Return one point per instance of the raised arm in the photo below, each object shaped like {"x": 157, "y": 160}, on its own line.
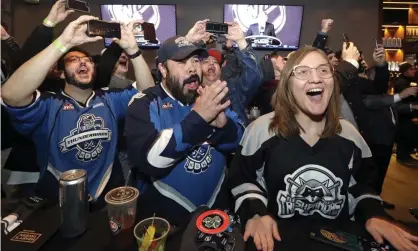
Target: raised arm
{"x": 43, "y": 35}
{"x": 322, "y": 36}
{"x": 18, "y": 90}
{"x": 143, "y": 75}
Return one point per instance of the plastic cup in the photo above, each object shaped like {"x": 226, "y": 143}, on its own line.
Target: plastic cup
{"x": 162, "y": 227}
{"x": 121, "y": 209}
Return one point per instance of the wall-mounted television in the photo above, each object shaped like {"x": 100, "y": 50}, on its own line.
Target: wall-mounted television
{"x": 270, "y": 27}
{"x": 162, "y": 16}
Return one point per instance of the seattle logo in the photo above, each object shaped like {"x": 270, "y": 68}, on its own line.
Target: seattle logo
{"x": 311, "y": 189}
{"x": 246, "y": 15}
{"x": 87, "y": 138}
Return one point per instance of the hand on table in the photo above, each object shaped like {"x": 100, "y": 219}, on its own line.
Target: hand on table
{"x": 383, "y": 230}
{"x": 263, "y": 230}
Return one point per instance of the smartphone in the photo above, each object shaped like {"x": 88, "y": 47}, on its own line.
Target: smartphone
{"x": 414, "y": 212}
{"x": 337, "y": 239}
{"x": 346, "y": 40}
{"x": 149, "y": 32}
{"x": 217, "y": 28}
{"x": 377, "y": 44}
{"x": 103, "y": 29}
{"x": 77, "y": 5}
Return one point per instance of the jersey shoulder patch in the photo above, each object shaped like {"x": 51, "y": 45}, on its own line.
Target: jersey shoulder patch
{"x": 139, "y": 95}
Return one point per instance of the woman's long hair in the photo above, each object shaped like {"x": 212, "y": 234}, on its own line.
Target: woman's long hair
{"x": 284, "y": 104}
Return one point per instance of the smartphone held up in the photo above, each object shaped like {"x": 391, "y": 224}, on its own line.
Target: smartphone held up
{"x": 78, "y": 5}
{"x": 217, "y": 28}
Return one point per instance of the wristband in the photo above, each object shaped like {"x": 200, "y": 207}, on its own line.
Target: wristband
{"x": 48, "y": 23}
{"x": 60, "y": 46}
{"x": 135, "y": 55}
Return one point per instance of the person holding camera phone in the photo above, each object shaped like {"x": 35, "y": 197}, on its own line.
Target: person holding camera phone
{"x": 78, "y": 126}
{"x": 243, "y": 87}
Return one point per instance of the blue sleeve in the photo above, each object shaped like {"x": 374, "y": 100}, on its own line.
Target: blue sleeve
{"x": 227, "y": 139}
{"x": 155, "y": 150}
{"x": 28, "y": 119}
{"x": 120, "y": 99}
{"x": 251, "y": 75}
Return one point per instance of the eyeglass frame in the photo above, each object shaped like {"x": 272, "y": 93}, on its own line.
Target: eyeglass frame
{"x": 331, "y": 66}
{"x": 78, "y": 59}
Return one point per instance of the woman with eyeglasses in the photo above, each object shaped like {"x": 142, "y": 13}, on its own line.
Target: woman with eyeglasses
{"x": 299, "y": 162}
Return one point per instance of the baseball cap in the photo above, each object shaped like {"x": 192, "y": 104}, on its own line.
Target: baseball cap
{"x": 178, "y": 48}
{"x": 216, "y": 54}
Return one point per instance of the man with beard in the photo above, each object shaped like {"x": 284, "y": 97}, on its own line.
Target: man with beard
{"x": 77, "y": 128}
{"x": 177, "y": 134}
{"x": 243, "y": 87}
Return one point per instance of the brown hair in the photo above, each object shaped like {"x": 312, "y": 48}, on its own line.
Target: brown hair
{"x": 284, "y": 104}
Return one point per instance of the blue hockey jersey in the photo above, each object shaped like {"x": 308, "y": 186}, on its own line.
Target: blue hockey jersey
{"x": 181, "y": 152}
{"x": 69, "y": 135}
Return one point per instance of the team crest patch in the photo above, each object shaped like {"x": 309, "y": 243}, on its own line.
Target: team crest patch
{"x": 86, "y": 138}
{"x": 68, "y": 107}
{"x": 199, "y": 160}
{"x": 213, "y": 222}
{"x": 310, "y": 189}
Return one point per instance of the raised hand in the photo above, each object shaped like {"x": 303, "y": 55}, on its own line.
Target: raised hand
{"x": 198, "y": 32}
{"x": 75, "y": 33}
{"x": 326, "y": 25}
{"x": 127, "y": 41}
{"x": 208, "y": 105}
{"x": 350, "y": 53}
{"x": 379, "y": 55}
{"x": 58, "y": 13}
{"x": 263, "y": 230}
{"x": 236, "y": 34}
{"x": 4, "y": 34}
{"x": 383, "y": 230}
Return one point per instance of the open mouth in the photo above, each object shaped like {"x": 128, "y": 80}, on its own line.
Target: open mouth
{"x": 192, "y": 83}
{"x": 211, "y": 70}
{"x": 83, "y": 71}
{"x": 315, "y": 94}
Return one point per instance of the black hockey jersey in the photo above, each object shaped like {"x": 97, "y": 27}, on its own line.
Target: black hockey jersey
{"x": 288, "y": 178}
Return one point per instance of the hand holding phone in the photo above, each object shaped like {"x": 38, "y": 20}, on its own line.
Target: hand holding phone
{"x": 346, "y": 40}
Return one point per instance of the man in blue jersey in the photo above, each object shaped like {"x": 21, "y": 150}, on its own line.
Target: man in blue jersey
{"x": 177, "y": 134}
{"x": 77, "y": 128}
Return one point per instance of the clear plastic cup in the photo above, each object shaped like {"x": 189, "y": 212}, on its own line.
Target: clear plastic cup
{"x": 162, "y": 227}
{"x": 121, "y": 209}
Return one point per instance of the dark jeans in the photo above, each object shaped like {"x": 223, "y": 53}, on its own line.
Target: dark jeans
{"x": 381, "y": 157}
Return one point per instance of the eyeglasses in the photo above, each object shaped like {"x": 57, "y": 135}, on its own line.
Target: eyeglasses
{"x": 304, "y": 72}
{"x": 75, "y": 59}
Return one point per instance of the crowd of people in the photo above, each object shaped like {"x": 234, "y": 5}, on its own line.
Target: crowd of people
{"x": 181, "y": 134}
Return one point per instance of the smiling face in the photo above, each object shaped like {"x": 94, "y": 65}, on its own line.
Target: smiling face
{"x": 79, "y": 69}
{"x": 211, "y": 70}
{"x": 309, "y": 86}
{"x": 182, "y": 78}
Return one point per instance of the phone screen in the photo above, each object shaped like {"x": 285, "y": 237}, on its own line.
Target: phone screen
{"x": 219, "y": 28}
{"x": 103, "y": 29}
{"x": 78, "y": 5}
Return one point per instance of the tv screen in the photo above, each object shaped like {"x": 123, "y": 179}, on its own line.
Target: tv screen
{"x": 270, "y": 27}
{"x": 162, "y": 16}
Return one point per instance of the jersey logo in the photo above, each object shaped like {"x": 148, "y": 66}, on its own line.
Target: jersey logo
{"x": 167, "y": 105}
{"x": 87, "y": 138}
{"x": 68, "y": 107}
{"x": 311, "y": 189}
{"x": 199, "y": 160}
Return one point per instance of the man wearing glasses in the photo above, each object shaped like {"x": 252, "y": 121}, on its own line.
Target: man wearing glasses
{"x": 77, "y": 128}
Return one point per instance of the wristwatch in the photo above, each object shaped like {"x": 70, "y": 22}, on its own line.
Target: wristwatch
{"x": 136, "y": 54}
